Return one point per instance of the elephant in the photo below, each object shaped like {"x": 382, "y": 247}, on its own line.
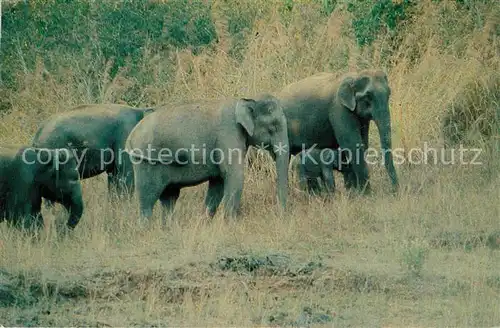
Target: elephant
{"x": 315, "y": 168}
{"x": 334, "y": 111}
{"x": 189, "y": 133}
{"x": 96, "y": 133}
{"x": 27, "y": 174}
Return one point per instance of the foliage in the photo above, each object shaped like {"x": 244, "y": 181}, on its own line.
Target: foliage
{"x": 116, "y": 30}
{"x": 414, "y": 259}
{"x": 474, "y": 114}
{"x": 377, "y": 17}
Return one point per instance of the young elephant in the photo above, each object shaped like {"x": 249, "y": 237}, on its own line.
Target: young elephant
{"x": 315, "y": 168}
{"x": 206, "y": 141}
{"x": 96, "y": 133}
{"x": 28, "y": 174}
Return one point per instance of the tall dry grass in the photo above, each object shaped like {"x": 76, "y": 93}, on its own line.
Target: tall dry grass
{"x": 426, "y": 257}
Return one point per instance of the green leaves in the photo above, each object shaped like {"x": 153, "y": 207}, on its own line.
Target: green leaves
{"x": 373, "y": 17}
{"x": 114, "y": 29}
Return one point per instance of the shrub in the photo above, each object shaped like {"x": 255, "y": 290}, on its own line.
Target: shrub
{"x": 378, "y": 17}
{"x": 116, "y": 30}
{"x": 474, "y": 113}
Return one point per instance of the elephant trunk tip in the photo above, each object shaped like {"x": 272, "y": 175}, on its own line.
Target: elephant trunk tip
{"x": 75, "y": 216}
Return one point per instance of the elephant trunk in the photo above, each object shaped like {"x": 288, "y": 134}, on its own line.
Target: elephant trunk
{"x": 282, "y": 157}
{"x": 384, "y": 127}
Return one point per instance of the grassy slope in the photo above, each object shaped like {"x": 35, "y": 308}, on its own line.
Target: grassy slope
{"x": 426, "y": 257}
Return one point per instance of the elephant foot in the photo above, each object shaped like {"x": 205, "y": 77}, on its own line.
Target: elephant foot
{"x": 143, "y": 224}
{"x": 166, "y": 219}
{"x": 395, "y": 190}
{"x": 64, "y": 231}
{"x": 208, "y": 214}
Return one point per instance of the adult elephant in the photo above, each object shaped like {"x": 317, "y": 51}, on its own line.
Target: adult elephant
{"x": 96, "y": 133}
{"x": 328, "y": 111}
{"x": 188, "y": 144}
{"x": 27, "y": 174}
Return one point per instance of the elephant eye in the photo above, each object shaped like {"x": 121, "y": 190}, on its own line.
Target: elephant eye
{"x": 367, "y": 99}
{"x": 274, "y": 127}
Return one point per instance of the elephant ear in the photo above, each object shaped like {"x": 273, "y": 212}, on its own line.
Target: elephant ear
{"x": 346, "y": 93}
{"x": 244, "y": 112}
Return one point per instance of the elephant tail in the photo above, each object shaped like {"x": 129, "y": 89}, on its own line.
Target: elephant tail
{"x": 147, "y": 110}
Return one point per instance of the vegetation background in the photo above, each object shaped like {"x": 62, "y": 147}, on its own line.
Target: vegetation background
{"x": 428, "y": 256}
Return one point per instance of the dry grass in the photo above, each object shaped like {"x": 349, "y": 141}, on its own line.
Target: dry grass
{"x": 428, "y": 257}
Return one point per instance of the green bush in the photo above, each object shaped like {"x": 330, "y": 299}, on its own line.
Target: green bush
{"x": 114, "y": 30}
{"x": 376, "y": 17}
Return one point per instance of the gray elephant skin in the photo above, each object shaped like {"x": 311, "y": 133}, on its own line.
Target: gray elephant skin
{"x": 315, "y": 167}
{"x": 206, "y": 141}
{"x": 27, "y": 174}
{"x": 331, "y": 111}
{"x": 96, "y": 133}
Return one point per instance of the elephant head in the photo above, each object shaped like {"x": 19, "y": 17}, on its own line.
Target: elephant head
{"x": 366, "y": 95}
{"x": 58, "y": 178}
{"x": 265, "y": 123}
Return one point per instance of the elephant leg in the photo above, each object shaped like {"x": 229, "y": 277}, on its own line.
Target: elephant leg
{"x": 74, "y": 206}
{"x": 349, "y": 178}
{"x": 147, "y": 201}
{"x": 360, "y": 178}
{"x": 329, "y": 179}
{"x": 168, "y": 198}
{"x": 357, "y": 163}
{"x": 306, "y": 185}
{"x": 215, "y": 193}
{"x": 307, "y": 182}
{"x": 303, "y": 182}
{"x": 345, "y": 168}
{"x": 33, "y": 220}
{"x": 148, "y": 188}
{"x": 233, "y": 188}
{"x": 124, "y": 173}
{"x": 313, "y": 186}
